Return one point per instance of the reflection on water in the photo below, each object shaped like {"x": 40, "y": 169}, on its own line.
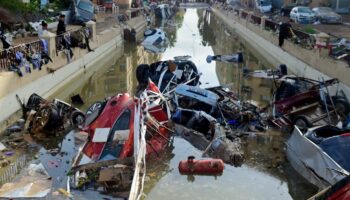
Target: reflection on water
{"x": 58, "y": 162}
{"x": 265, "y": 175}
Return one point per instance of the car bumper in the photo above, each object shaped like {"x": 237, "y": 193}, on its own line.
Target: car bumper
{"x": 306, "y": 20}
{"x": 331, "y": 21}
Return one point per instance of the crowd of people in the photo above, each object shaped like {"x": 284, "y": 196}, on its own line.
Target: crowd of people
{"x": 28, "y": 57}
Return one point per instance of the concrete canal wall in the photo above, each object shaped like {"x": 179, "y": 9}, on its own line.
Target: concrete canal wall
{"x": 58, "y": 74}
{"x": 302, "y": 62}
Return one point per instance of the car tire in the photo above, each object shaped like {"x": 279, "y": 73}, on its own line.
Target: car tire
{"x": 342, "y": 106}
{"x": 302, "y": 123}
{"x": 77, "y": 119}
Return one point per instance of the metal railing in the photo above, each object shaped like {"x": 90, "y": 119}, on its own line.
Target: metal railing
{"x": 255, "y": 19}
{"x": 8, "y": 56}
{"x": 244, "y": 14}
{"x": 271, "y": 25}
{"x": 10, "y": 173}
{"x": 301, "y": 34}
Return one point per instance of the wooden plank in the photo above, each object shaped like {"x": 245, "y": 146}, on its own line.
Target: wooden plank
{"x": 304, "y": 108}
{"x": 126, "y": 161}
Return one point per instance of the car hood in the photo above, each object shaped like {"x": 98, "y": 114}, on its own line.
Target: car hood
{"x": 307, "y": 14}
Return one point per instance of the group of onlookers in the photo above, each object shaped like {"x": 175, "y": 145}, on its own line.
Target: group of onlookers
{"x": 31, "y": 57}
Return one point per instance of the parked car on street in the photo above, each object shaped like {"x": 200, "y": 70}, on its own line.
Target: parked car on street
{"x": 303, "y": 15}
{"x": 263, "y": 6}
{"x": 326, "y": 15}
{"x": 285, "y": 10}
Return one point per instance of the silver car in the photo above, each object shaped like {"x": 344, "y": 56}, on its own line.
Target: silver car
{"x": 302, "y": 15}
{"x": 326, "y": 15}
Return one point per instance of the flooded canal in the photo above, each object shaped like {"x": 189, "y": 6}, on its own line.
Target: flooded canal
{"x": 265, "y": 173}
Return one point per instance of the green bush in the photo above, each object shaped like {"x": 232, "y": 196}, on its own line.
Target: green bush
{"x": 61, "y": 4}
{"x": 310, "y": 30}
{"x": 14, "y": 5}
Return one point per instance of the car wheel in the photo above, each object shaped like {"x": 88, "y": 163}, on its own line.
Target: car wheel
{"x": 342, "y": 106}
{"x": 77, "y": 119}
{"x": 302, "y": 123}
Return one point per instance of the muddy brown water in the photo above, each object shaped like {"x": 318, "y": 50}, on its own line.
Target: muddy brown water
{"x": 265, "y": 174}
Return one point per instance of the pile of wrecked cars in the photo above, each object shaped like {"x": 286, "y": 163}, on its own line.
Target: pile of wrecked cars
{"x": 113, "y": 128}
{"x": 207, "y": 118}
{"x": 123, "y": 132}
{"x": 317, "y": 114}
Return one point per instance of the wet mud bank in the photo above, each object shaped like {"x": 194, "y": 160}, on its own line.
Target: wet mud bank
{"x": 274, "y": 54}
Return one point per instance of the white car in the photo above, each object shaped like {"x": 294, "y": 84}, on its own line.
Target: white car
{"x": 264, "y": 6}
{"x": 302, "y": 15}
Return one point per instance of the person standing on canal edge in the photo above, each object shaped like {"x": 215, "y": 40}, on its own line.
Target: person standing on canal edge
{"x": 285, "y": 30}
{"x": 64, "y": 39}
{"x": 61, "y": 26}
{"x": 86, "y": 35}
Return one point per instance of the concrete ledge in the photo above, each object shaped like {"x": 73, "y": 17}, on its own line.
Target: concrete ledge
{"x": 139, "y": 24}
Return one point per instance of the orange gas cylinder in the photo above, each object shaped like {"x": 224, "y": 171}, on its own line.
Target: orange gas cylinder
{"x": 206, "y": 166}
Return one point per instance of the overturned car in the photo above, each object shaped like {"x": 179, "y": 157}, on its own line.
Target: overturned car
{"x": 154, "y": 37}
{"x": 169, "y": 74}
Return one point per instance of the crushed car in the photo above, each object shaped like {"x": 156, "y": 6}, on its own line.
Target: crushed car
{"x": 307, "y": 102}
{"x": 45, "y": 116}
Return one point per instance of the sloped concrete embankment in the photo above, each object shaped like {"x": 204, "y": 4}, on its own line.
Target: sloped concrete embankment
{"x": 301, "y": 62}
{"x": 58, "y": 74}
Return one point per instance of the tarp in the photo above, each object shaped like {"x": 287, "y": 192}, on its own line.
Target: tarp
{"x": 312, "y": 162}
{"x": 338, "y": 148}
{"x": 34, "y": 183}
